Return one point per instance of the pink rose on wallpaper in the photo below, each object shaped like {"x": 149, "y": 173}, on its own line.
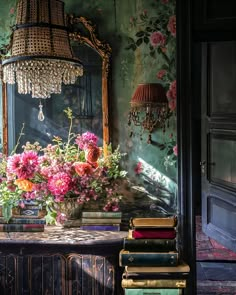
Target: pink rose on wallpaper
{"x": 12, "y": 10}
{"x": 157, "y": 38}
{"x": 165, "y": 1}
{"x": 172, "y": 25}
{"x": 171, "y": 93}
{"x": 175, "y": 150}
{"x": 161, "y": 74}
{"x": 172, "y": 104}
{"x": 139, "y": 168}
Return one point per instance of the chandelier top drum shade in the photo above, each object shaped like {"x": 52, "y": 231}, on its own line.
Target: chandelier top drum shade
{"x": 149, "y": 108}
{"x": 41, "y": 56}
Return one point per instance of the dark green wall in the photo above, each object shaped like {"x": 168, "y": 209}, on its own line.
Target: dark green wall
{"x": 127, "y": 26}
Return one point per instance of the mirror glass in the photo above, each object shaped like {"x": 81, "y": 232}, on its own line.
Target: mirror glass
{"x": 84, "y": 98}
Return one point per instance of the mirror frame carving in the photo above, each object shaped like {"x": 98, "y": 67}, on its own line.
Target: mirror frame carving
{"x": 103, "y": 49}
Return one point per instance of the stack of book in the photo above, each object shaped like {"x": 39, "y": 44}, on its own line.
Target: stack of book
{"x": 22, "y": 224}
{"x": 151, "y": 259}
{"x": 100, "y": 220}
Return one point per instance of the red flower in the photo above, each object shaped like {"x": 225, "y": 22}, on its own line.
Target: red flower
{"x": 139, "y": 168}
{"x": 161, "y": 74}
{"x": 92, "y": 154}
{"x": 157, "y": 38}
{"x": 175, "y": 150}
{"x": 171, "y": 93}
{"x": 82, "y": 168}
{"x": 172, "y": 25}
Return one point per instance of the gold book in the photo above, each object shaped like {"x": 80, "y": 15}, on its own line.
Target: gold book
{"x": 154, "y": 222}
{"x": 158, "y": 269}
{"x": 130, "y": 283}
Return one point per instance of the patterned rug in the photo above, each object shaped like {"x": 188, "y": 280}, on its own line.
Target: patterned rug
{"x": 209, "y": 249}
{"x": 214, "y": 277}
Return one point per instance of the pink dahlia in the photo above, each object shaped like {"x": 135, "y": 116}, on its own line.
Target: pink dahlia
{"x": 59, "y": 184}
{"x": 157, "y": 38}
{"x": 23, "y": 165}
{"x": 86, "y": 139}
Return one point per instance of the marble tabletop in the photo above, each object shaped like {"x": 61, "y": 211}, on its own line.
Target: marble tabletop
{"x": 61, "y": 235}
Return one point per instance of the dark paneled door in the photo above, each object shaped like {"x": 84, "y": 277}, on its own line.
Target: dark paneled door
{"x": 218, "y": 152}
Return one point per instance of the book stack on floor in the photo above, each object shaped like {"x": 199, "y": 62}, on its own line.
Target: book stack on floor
{"x": 100, "y": 220}
{"x": 150, "y": 258}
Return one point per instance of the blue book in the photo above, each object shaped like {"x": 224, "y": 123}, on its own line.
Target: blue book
{"x": 100, "y": 227}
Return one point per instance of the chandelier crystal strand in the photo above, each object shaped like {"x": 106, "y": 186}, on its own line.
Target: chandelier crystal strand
{"x": 40, "y": 77}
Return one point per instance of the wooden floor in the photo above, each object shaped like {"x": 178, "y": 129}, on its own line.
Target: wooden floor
{"x": 216, "y": 266}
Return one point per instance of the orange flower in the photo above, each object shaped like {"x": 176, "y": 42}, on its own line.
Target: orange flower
{"x": 24, "y": 185}
{"x": 82, "y": 168}
{"x": 92, "y": 154}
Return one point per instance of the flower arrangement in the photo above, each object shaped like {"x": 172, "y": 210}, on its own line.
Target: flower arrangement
{"x": 73, "y": 170}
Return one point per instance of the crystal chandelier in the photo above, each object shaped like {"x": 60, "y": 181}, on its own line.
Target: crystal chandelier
{"x": 41, "y": 57}
{"x": 149, "y": 108}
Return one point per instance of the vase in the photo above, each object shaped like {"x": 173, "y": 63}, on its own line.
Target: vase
{"x": 69, "y": 207}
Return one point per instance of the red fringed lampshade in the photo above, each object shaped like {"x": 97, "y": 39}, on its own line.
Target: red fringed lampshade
{"x": 149, "y": 108}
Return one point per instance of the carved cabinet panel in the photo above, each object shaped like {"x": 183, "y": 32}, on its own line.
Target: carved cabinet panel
{"x": 58, "y": 274}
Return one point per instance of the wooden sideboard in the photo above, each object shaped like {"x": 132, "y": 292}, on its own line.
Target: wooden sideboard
{"x": 60, "y": 261}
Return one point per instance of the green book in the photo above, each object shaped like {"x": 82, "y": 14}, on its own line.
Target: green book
{"x": 20, "y": 220}
{"x": 100, "y": 220}
{"x": 101, "y": 214}
{"x": 148, "y": 258}
{"x": 153, "y": 292}
{"x": 149, "y": 245}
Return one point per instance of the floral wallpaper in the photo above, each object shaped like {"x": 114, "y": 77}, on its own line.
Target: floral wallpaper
{"x": 142, "y": 35}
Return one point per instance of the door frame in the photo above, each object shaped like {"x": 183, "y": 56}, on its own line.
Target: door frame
{"x": 186, "y": 161}
{"x": 190, "y": 33}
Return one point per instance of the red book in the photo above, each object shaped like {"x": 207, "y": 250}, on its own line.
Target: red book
{"x": 145, "y": 233}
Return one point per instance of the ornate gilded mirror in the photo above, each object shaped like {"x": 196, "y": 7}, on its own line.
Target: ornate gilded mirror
{"x": 88, "y": 97}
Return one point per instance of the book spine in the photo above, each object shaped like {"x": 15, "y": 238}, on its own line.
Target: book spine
{"x": 96, "y": 221}
{"x": 154, "y": 222}
{"x": 91, "y": 214}
{"x": 180, "y": 268}
{"x": 153, "y": 234}
{"x": 101, "y": 227}
{"x": 147, "y": 291}
{"x": 129, "y": 283}
{"x": 23, "y": 221}
{"x": 148, "y": 259}
{"x": 21, "y": 227}
{"x": 155, "y": 276}
{"x": 149, "y": 245}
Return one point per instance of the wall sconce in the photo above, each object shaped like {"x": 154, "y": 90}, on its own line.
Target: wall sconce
{"x": 41, "y": 57}
{"x": 149, "y": 108}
